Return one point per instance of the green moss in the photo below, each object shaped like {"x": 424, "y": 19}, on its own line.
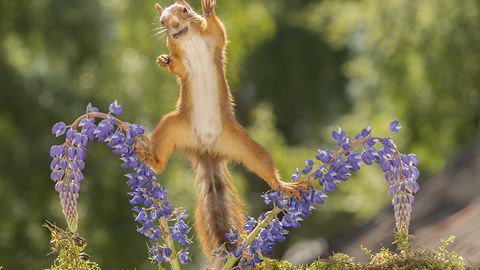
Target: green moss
{"x": 406, "y": 258}
{"x": 69, "y": 248}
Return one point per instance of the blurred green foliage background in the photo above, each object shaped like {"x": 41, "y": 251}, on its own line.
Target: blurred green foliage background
{"x": 298, "y": 69}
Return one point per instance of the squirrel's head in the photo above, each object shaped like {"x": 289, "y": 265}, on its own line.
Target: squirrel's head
{"x": 178, "y": 19}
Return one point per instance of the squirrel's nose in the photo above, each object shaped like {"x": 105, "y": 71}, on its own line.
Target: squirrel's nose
{"x": 175, "y": 23}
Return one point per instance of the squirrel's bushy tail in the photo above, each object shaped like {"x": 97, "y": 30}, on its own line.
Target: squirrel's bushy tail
{"x": 218, "y": 206}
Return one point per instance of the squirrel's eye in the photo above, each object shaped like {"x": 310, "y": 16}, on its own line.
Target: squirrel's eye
{"x": 162, "y": 23}
{"x": 185, "y": 10}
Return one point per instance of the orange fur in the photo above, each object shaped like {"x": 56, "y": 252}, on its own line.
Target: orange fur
{"x": 208, "y": 154}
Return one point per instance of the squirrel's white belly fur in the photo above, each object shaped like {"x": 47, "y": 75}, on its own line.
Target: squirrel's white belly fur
{"x": 202, "y": 76}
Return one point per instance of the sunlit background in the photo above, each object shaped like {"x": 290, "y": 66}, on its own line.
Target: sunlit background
{"x": 297, "y": 68}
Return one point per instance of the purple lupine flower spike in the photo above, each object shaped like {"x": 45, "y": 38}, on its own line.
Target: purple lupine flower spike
{"x": 400, "y": 174}
{"x": 149, "y": 197}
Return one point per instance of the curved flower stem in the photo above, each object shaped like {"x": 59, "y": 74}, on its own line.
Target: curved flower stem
{"x": 119, "y": 123}
{"x": 275, "y": 211}
{"x": 355, "y": 144}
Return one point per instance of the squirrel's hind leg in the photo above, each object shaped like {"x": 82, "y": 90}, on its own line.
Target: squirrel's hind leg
{"x": 145, "y": 155}
{"x": 256, "y": 158}
{"x": 168, "y": 134}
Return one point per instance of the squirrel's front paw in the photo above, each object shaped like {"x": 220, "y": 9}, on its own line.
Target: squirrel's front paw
{"x": 164, "y": 60}
{"x": 207, "y": 6}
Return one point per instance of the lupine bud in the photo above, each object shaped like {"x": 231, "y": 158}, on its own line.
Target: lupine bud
{"x": 58, "y": 129}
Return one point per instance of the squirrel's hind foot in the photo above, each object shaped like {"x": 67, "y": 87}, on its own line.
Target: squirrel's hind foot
{"x": 145, "y": 156}
{"x": 292, "y": 188}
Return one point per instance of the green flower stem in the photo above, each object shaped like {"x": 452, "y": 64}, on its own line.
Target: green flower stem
{"x": 275, "y": 211}
{"x": 169, "y": 241}
{"x": 167, "y": 238}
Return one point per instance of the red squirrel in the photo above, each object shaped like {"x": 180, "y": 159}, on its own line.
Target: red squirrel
{"x": 203, "y": 124}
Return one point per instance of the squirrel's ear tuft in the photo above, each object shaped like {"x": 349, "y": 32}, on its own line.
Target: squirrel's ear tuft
{"x": 159, "y": 9}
